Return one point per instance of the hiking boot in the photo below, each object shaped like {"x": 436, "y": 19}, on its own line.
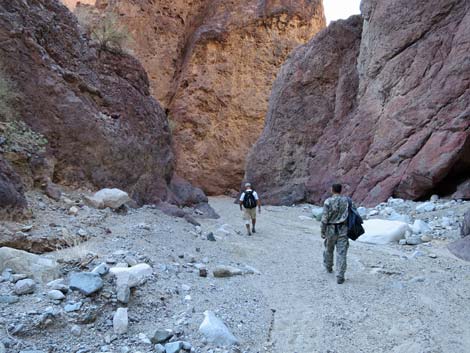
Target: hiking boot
{"x": 340, "y": 280}
{"x": 249, "y": 233}
{"x": 254, "y": 230}
{"x": 329, "y": 269}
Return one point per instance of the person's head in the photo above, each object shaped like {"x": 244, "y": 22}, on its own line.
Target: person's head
{"x": 336, "y": 188}
{"x": 247, "y": 186}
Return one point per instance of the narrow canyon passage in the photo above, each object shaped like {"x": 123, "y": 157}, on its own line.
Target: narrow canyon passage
{"x": 392, "y": 300}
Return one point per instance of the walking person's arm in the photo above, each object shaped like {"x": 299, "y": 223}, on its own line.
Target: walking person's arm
{"x": 242, "y": 196}
{"x": 324, "y": 220}
{"x": 259, "y": 205}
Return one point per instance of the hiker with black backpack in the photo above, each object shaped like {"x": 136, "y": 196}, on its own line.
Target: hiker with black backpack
{"x": 340, "y": 222}
{"x": 248, "y": 201}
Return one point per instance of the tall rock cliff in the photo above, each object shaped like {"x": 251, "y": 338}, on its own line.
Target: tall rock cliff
{"x": 378, "y": 102}
{"x": 94, "y": 107}
{"x": 211, "y": 64}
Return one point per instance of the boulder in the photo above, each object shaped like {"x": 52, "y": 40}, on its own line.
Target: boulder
{"x": 112, "y": 198}
{"x": 226, "y": 271}
{"x": 420, "y": 227}
{"x": 86, "y": 283}
{"x": 461, "y": 248}
{"x": 53, "y": 191}
{"x": 426, "y": 207}
{"x": 378, "y": 231}
{"x": 215, "y": 331}
{"x": 373, "y": 107}
{"x": 131, "y": 276}
{"x": 39, "y": 267}
{"x": 161, "y": 336}
{"x": 174, "y": 347}
{"x": 24, "y": 286}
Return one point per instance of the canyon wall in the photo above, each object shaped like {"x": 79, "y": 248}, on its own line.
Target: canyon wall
{"x": 211, "y": 64}
{"x": 102, "y": 127}
{"x": 378, "y": 102}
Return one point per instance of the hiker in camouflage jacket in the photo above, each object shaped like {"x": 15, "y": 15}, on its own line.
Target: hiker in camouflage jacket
{"x": 335, "y": 232}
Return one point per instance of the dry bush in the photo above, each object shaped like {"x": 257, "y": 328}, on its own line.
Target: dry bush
{"x": 105, "y": 29}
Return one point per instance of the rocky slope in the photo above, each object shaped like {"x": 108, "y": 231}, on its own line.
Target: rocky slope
{"x": 379, "y": 103}
{"x": 102, "y": 127}
{"x": 211, "y": 64}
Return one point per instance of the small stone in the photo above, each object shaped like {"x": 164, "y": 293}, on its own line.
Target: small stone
{"x": 425, "y": 207}
{"x": 433, "y": 256}
{"x": 161, "y": 336}
{"x": 81, "y": 232}
{"x": 73, "y": 211}
{"x": 26, "y": 228}
{"x": 402, "y": 242}
{"x": 202, "y": 272}
{"x": 434, "y": 198}
{"x": 185, "y": 287}
{"x": 187, "y": 346}
{"x": 86, "y": 283}
{"x": 420, "y": 227}
{"x": 24, "y": 286}
{"x": 174, "y": 347}
{"x": 71, "y": 307}
{"x": 413, "y": 241}
{"x": 8, "y": 299}
{"x": 210, "y": 236}
{"x": 76, "y": 330}
{"x": 55, "y": 294}
{"x": 215, "y": 330}
{"x": 120, "y": 321}
{"x": 17, "y": 277}
{"x": 426, "y": 238}
{"x": 102, "y": 269}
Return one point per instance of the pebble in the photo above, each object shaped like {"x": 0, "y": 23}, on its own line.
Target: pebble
{"x": 159, "y": 348}
{"x": 185, "y": 287}
{"x": 174, "y": 347}
{"x": 55, "y": 294}
{"x": 24, "y": 286}
{"x": 76, "y": 330}
{"x": 144, "y": 339}
{"x": 70, "y": 307}
{"x": 102, "y": 269}
{"x": 123, "y": 294}
{"x": 210, "y": 236}
{"x": 120, "y": 321}
{"x": 73, "y": 211}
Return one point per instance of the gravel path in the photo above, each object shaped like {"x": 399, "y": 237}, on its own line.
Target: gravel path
{"x": 396, "y": 299}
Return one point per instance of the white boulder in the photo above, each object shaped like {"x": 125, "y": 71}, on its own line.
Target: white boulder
{"x": 112, "y": 198}
{"x": 378, "y": 231}
{"x": 39, "y": 267}
{"x": 215, "y": 330}
{"x": 132, "y": 276}
{"x": 420, "y": 227}
{"x": 120, "y": 321}
{"x": 425, "y": 207}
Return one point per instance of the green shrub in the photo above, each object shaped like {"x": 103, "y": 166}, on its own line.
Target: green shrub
{"x": 105, "y": 29}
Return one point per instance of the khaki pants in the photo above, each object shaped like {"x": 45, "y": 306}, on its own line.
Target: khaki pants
{"x": 248, "y": 215}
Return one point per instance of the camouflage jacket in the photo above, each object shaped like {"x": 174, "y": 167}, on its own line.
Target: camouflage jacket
{"x": 335, "y": 211}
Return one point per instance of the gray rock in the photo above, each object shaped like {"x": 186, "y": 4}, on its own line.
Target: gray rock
{"x": 70, "y": 307}
{"x": 8, "y": 299}
{"x": 226, "y": 271}
{"x": 76, "y": 330}
{"x": 426, "y": 207}
{"x": 17, "y": 277}
{"x": 215, "y": 331}
{"x": 174, "y": 347}
{"x": 102, "y": 269}
{"x": 210, "y": 236}
{"x": 413, "y": 240}
{"x": 86, "y": 283}
{"x": 24, "y": 286}
{"x": 120, "y": 321}
{"x": 420, "y": 227}
{"x": 112, "y": 198}
{"x": 123, "y": 294}
{"x": 317, "y": 213}
{"x": 159, "y": 348}
{"x": 131, "y": 276}
{"x": 39, "y": 267}
{"x": 55, "y": 294}
{"x": 161, "y": 336}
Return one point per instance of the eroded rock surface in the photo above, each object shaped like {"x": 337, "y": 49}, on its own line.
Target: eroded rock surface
{"x": 211, "y": 64}
{"x": 103, "y": 127}
{"x": 379, "y": 103}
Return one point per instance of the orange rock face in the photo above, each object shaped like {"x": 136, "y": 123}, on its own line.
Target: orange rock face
{"x": 211, "y": 64}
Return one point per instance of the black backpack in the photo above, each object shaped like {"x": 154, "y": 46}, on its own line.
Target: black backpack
{"x": 249, "y": 200}
{"x": 354, "y": 222}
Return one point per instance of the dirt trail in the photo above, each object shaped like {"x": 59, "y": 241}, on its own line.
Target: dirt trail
{"x": 393, "y": 300}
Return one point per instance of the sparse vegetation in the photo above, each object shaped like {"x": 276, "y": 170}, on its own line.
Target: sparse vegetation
{"x": 106, "y": 30}
{"x": 6, "y": 97}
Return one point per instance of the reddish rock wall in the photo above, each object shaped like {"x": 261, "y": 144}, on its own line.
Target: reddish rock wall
{"x": 383, "y": 109}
